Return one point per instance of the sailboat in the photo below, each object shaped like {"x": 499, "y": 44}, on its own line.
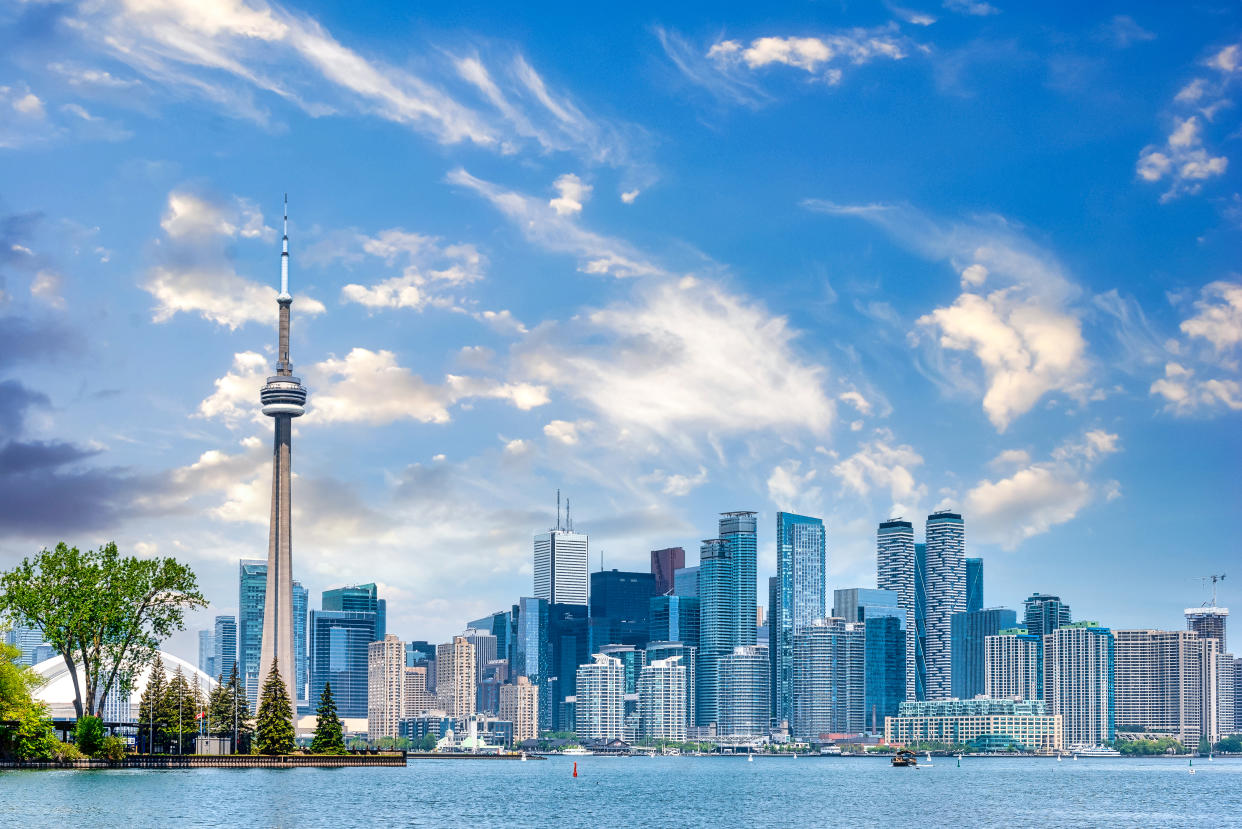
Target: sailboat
{"x": 523, "y": 756}
{"x": 1058, "y": 758}
{"x": 929, "y": 762}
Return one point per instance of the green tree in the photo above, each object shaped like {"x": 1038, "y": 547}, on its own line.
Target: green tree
{"x": 229, "y": 713}
{"x": 104, "y": 613}
{"x": 274, "y": 726}
{"x": 152, "y": 708}
{"x": 328, "y": 737}
{"x": 89, "y": 735}
{"x": 427, "y": 743}
{"x": 113, "y": 749}
{"x": 25, "y": 730}
{"x": 179, "y": 708}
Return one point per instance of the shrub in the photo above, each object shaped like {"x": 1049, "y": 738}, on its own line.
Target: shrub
{"x": 112, "y": 749}
{"x": 65, "y": 752}
{"x": 89, "y": 734}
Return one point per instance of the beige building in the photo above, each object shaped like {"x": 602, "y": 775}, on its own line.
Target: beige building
{"x": 385, "y": 687}
{"x": 988, "y": 724}
{"x": 519, "y": 704}
{"x": 1167, "y": 683}
{"x": 418, "y": 700}
{"x": 457, "y": 677}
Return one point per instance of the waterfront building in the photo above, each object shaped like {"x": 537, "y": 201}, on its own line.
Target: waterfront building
{"x": 224, "y": 640}
{"x": 519, "y": 704}
{"x": 560, "y": 570}
{"x": 1079, "y": 682}
{"x": 920, "y": 621}
{"x": 632, "y": 661}
{"x": 600, "y": 704}
{"x": 885, "y": 647}
{"x": 946, "y": 595}
{"x": 986, "y": 724}
{"x": 338, "y": 645}
{"x": 664, "y": 566}
{"x": 895, "y": 572}
{"x": 1208, "y": 622}
{"x": 727, "y": 604}
{"x": 360, "y": 598}
{"x": 386, "y": 685}
{"x": 252, "y": 592}
{"x": 742, "y": 696}
{"x": 662, "y": 700}
{"x": 799, "y": 598}
{"x": 620, "y": 608}
{"x": 674, "y": 619}
{"x": 974, "y": 585}
{"x": 969, "y": 649}
{"x": 1044, "y": 613}
{"x": 301, "y": 673}
{"x": 207, "y": 651}
{"x": 1166, "y": 682}
{"x": 686, "y": 582}
{"x": 485, "y": 652}
{"x": 283, "y": 398}
{"x": 495, "y": 675}
{"x": 829, "y": 680}
{"x": 457, "y": 677}
{"x": 1013, "y": 665}
{"x": 687, "y": 656}
{"x": 417, "y": 698}
{"x": 1227, "y": 721}
{"x": 569, "y": 637}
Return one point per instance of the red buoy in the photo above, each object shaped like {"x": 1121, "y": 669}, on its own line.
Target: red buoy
{"x": 575, "y": 768}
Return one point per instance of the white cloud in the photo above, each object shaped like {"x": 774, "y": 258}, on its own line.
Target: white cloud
{"x": 237, "y": 392}
{"x": 1228, "y": 59}
{"x": 47, "y": 286}
{"x": 883, "y": 464}
{"x": 976, "y": 8}
{"x": 1186, "y": 395}
{"x": 855, "y": 399}
{"x": 216, "y": 293}
{"x": 1012, "y": 457}
{"x": 430, "y": 271}
{"x": 628, "y": 196}
{"x": 677, "y": 484}
{"x": 502, "y": 321}
{"x": 811, "y": 54}
{"x": 573, "y": 192}
{"x": 517, "y": 447}
{"x": 1219, "y": 315}
{"x": 791, "y": 489}
{"x": 30, "y": 106}
{"x": 562, "y": 430}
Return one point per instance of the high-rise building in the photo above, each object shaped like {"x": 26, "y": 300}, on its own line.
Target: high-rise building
{"x": 301, "y": 606}
{"x": 686, "y": 582}
{"x": 1043, "y": 613}
{"x": 946, "y": 595}
{"x": 620, "y": 608}
{"x": 895, "y": 571}
{"x": 800, "y": 597}
{"x": 530, "y": 653}
{"x": 829, "y": 680}
{"x": 1226, "y": 695}
{"x": 385, "y": 687}
{"x": 674, "y": 619}
{"x": 920, "y": 621}
{"x": 359, "y": 598}
{"x": 727, "y": 603}
{"x": 1079, "y": 682}
{"x": 457, "y": 677}
{"x": 632, "y": 661}
{"x": 969, "y": 650}
{"x": 1013, "y": 665}
{"x": 1208, "y": 622}
{"x": 743, "y": 701}
{"x": 283, "y": 398}
{"x": 885, "y": 645}
{"x": 485, "y": 652}
{"x": 225, "y": 641}
{"x": 662, "y": 700}
{"x": 338, "y": 641}
{"x": 600, "y": 705}
{"x": 519, "y": 704}
{"x": 252, "y": 593}
{"x": 858, "y": 604}
{"x": 207, "y": 652}
{"x": 568, "y": 636}
{"x": 986, "y": 724}
{"x": 561, "y": 565}
{"x": 664, "y": 565}
{"x": 1166, "y": 681}
{"x": 28, "y": 639}
{"x": 687, "y": 656}
{"x": 419, "y": 653}
{"x": 418, "y": 700}
{"x": 974, "y": 584}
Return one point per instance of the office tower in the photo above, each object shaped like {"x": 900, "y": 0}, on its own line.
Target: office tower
{"x": 419, "y": 653}
{"x": 664, "y": 565}
{"x": 301, "y": 673}
{"x": 969, "y": 650}
{"x": 974, "y": 584}
{"x": 385, "y": 687}
{"x": 799, "y": 599}
{"x": 829, "y": 680}
{"x": 620, "y": 608}
{"x": 1079, "y": 682}
{"x": 885, "y": 666}
{"x": 726, "y": 603}
{"x": 1208, "y": 622}
{"x": 338, "y": 641}
{"x": 895, "y": 571}
{"x": 858, "y": 604}
{"x": 687, "y": 656}
{"x": 359, "y": 598}
{"x": 569, "y": 638}
{"x": 252, "y": 591}
{"x": 519, "y": 704}
{"x": 495, "y": 675}
{"x": 674, "y": 619}
{"x": 207, "y": 652}
{"x": 946, "y": 595}
{"x": 601, "y": 699}
{"x": 485, "y": 646}
{"x": 662, "y": 700}
{"x": 1043, "y": 614}
{"x": 561, "y": 564}
{"x": 632, "y": 661}
{"x": 920, "y": 621}
{"x": 283, "y": 398}
{"x": 742, "y": 696}
{"x": 457, "y": 677}
{"x": 418, "y": 700}
{"x": 1013, "y": 665}
{"x": 27, "y": 639}
{"x": 1166, "y": 681}
{"x": 529, "y": 652}
{"x": 225, "y": 639}
{"x": 686, "y": 582}
{"x": 986, "y": 724}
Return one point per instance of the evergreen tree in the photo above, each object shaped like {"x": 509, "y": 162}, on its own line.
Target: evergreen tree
{"x": 179, "y": 712}
{"x": 151, "y": 708}
{"x": 220, "y": 710}
{"x": 229, "y": 698}
{"x": 274, "y": 726}
{"x": 328, "y": 735}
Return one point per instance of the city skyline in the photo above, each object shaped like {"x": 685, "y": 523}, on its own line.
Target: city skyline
{"x": 757, "y": 276}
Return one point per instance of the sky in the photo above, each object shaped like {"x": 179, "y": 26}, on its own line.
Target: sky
{"x": 853, "y": 260}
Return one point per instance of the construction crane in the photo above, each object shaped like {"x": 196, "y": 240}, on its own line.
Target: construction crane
{"x": 1214, "y": 579}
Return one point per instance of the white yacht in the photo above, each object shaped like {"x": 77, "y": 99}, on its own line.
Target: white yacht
{"x": 1094, "y": 751}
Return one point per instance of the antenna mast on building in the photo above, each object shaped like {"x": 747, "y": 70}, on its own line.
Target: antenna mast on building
{"x": 558, "y": 509}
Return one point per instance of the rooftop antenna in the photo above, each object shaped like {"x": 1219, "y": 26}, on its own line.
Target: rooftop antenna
{"x": 569, "y": 522}
{"x": 558, "y": 509}
{"x": 284, "y": 255}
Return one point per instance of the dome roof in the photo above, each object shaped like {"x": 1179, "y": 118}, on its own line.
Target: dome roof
{"x": 57, "y": 689}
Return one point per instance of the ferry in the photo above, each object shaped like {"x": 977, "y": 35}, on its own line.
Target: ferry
{"x": 1094, "y": 751}
{"x": 576, "y": 751}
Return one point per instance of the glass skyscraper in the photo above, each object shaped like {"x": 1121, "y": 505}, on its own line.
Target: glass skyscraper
{"x": 829, "y": 682}
{"x": 620, "y": 608}
{"x": 674, "y": 619}
{"x": 800, "y": 597}
{"x": 339, "y": 640}
{"x": 727, "y": 604}
{"x": 207, "y": 652}
{"x": 225, "y": 640}
{"x": 252, "y": 596}
{"x": 742, "y": 698}
{"x": 301, "y": 674}
{"x": 969, "y": 652}
{"x": 568, "y": 639}
{"x": 1043, "y": 614}
{"x": 895, "y": 571}
{"x": 560, "y": 570}
{"x": 664, "y": 564}
{"x": 360, "y": 598}
{"x": 946, "y": 595}
{"x": 885, "y": 668}
{"x": 974, "y": 584}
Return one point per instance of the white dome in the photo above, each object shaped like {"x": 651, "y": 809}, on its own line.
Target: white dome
{"x": 57, "y": 689}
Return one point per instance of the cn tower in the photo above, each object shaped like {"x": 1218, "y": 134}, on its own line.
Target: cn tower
{"x": 283, "y": 398}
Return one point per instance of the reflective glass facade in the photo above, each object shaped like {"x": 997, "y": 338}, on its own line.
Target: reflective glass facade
{"x": 969, "y": 652}
{"x": 338, "y": 645}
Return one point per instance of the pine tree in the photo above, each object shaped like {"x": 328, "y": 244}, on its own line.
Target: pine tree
{"x": 179, "y": 711}
{"x": 274, "y": 725}
{"x": 328, "y": 736}
{"x": 220, "y": 710}
{"x": 151, "y": 709}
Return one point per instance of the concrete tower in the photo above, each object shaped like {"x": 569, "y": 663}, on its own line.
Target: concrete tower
{"x": 283, "y": 398}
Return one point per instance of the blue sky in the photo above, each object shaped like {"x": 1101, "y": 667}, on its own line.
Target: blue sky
{"x": 853, "y": 260}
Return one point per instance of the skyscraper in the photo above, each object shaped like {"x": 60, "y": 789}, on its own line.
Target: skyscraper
{"x": 1208, "y": 622}
{"x": 620, "y": 608}
{"x": 687, "y": 657}
{"x": 338, "y": 644}
{"x": 1043, "y": 613}
{"x": 895, "y": 571}
{"x": 727, "y": 573}
{"x": 1166, "y": 682}
{"x": 664, "y": 565}
{"x": 283, "y": 398}
{"x": 27, "y": 639}
{"x": 799, "y": 599}
{"x": 457, "y": 677}
{"x": 829, "y": 679}
{"x": 1013, "y": 666}
{"x": 301, "y": 606}
{"x": 252, "y": 591}
{"x": 225, "y": 640}
{"x": 674, "y": 619}
{"x": 207, "y": 652}
{"x": 519, "y": 704}
{"x": 920, "y": 621}
{"x": 969, "y": 651}
{"x": 686, "y": 581}
{"x": 601, "y": 699}
{"x": 568, "y": 639}
{"x": 743, "y": 701}
{"x": 974, "y": 584}
{"x": 1079, "y": 682}
{"x": 385, "y": 687}
{"x": 946, "y": 595}
{"x": 361, "y": 598}
{"x": 662, "y": 700}
{"x": 560, "y": 569}
{"x": 885, "y": 645}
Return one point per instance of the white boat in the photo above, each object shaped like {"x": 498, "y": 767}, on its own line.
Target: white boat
{"x": 1095, "y": 751}
{"x": 576, "y": 751}
{"x": 523, "y": 756}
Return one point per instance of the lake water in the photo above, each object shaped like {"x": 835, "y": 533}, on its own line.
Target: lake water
{"x": 635, "y": 791}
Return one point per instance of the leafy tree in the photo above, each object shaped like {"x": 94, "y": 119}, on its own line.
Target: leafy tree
{"x": 274, "y": 727}
{"x": 112, "y": 749}
{"x": 1205, "y": 747}
{"x": 89, "y": 735}
{"x": 104, "y": 613}
{"x": 328, "y": 738}
{"x": 427, "y": 743}
{"x": 152, "y": 710}
{"x": 1233, "y": 745}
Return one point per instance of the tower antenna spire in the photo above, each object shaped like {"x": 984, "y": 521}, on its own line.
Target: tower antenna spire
{"x": 284, "y": 255}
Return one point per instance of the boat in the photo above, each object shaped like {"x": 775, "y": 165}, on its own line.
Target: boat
{"x": 575, "y": 751}
{"x": 1095, "y": 751}
{"x": 905, "y": 759}
{"x": 523, "y": 756}
{"x": 1058, "y": 758}
{"x": 928, "y": 761}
